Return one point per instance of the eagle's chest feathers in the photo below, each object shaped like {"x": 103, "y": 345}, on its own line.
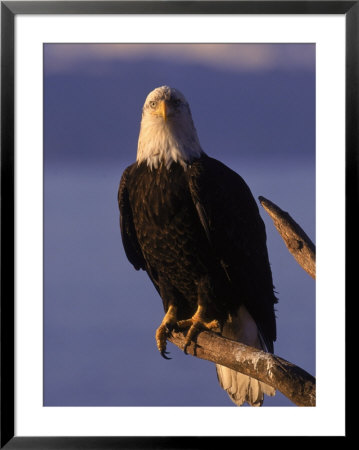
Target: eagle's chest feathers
{"x": 166, "y": 221}
{"x": 164, "y": 196}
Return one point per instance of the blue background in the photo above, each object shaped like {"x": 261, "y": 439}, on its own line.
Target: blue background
{"x": 254, "y": 109}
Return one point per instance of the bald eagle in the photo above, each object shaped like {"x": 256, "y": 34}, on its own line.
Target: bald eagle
{"x": 193, "y": 225}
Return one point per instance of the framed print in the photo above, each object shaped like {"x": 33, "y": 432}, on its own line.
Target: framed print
{"x": 266, "y": 90}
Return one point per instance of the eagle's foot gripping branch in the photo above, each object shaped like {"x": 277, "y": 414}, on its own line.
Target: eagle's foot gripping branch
{"x": 196, "y": 324}
{"x": 163, "y": 331}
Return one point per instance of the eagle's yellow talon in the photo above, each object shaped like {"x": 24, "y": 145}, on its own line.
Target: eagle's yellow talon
{"x": 195, "y": 325}
{"x": 213, "y": 325}
{"x": 161, "y": 338}
{"x": 182, "y": 324}
{"x": 163, "y": 331}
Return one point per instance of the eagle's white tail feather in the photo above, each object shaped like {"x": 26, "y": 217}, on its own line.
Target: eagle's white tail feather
{"x": 241, "y": 388}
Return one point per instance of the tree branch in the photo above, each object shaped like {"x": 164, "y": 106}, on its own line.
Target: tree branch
{"x": 297, "y": 242}
{"x": 294, "y": 382}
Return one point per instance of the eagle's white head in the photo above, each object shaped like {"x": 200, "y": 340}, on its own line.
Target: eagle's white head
{"x": 167, "y": 131}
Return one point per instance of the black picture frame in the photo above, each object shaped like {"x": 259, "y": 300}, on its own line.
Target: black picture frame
{"x": 9, "y": 9}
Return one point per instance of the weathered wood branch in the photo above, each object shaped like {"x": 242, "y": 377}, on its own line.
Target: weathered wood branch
{"x": 297, "y": 242}
{"x": 294, "y": 382}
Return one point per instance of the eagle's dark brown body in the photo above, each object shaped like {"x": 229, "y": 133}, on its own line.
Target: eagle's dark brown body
{"x": 198, "y": 234}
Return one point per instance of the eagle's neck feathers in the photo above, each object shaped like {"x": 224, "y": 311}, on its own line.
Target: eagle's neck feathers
{"x": 167, "y": 141}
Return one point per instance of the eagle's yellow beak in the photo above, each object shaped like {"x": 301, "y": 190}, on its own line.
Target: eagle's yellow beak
{"x": 163, "y": 109}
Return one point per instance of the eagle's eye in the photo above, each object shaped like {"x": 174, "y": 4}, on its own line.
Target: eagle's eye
{"x": 176, "y": 102}
{"x": 153, "y": 104}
